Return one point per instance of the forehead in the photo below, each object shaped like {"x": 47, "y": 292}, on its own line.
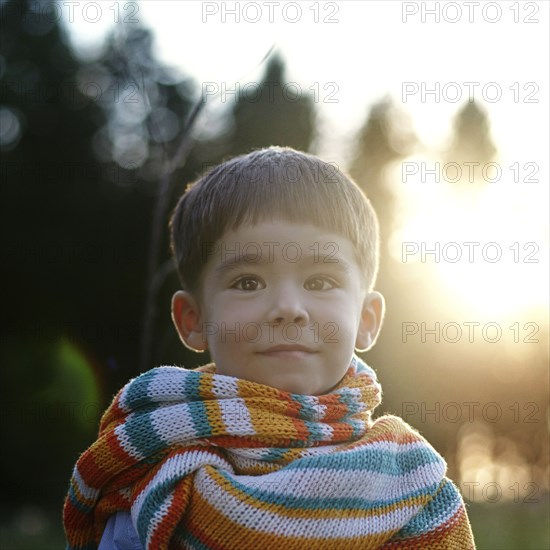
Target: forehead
{"x": 280, "y": 241}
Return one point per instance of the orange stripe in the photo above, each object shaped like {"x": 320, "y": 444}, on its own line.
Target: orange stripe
{"x": 218, "y": 532}
{"x": 165, "y": 529}
{"x": 299, "y": 513}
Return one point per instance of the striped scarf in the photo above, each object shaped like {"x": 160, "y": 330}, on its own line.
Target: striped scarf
{"x": 209, "y": 461}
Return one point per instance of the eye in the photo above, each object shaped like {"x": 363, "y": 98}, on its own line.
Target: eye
{"x": 320, "y": 283}
{"x": 248, "y": 283}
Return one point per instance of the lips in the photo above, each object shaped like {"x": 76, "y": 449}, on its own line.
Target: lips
{"x": 287, "y": 348}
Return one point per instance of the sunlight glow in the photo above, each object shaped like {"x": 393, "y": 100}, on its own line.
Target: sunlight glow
{"x": 486, "y": 242}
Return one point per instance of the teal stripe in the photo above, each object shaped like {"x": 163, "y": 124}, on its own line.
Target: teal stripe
{"x": 307, "y": 415}
{"x": 197, "y": 410}
{"x": 274, "y": 454}
{"x": 351, "y": 403}
{"x": 358, "y": 428}
{"x": 155, "y": 498}
{"x": 78, "y": 503}
{"x": 137, "y": 393}
{"x": 326, "y": 503}
{"x": 142, "y": 435}
{"x": 315, "y": 432}
{"x": 372, "y": 460}
{"x": 192, "y": 384}
{"x": 434, "y": 513}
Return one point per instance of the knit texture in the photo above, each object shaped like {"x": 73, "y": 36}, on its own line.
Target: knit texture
{"x": 209, "y": 461}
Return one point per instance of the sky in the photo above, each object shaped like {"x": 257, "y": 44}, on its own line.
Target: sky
{"x": 359, "y": 51}
{"x": 430, "y": 57}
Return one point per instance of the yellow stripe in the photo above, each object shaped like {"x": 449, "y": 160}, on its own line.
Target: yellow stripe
{"x": 227, "y": 534}
{"x": 298, "y": 513}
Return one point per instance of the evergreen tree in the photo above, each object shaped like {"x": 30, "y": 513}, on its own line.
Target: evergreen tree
{"x": 83, "y": 148}
{"x": 272, "y": 112}
{"x": 384, "y": 138}
{"x": 471, "y": 142}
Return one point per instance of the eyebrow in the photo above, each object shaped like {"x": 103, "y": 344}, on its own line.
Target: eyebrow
{"x": 239, "y": 261}
{"x": 327, "y": 260}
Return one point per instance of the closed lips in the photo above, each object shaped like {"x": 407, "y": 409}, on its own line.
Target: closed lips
{"x": 288, "y": 348}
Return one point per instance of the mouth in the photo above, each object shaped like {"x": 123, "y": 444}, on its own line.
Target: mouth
{"x": 290, "y": 351}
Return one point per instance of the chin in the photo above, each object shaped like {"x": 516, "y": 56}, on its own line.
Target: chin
{"x": 292, "y": 388}
{"x": 303, "y": 390}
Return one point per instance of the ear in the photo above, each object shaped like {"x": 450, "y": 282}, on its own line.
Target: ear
{"x": 186, "y": 316}
{"x": 372, "y": 315}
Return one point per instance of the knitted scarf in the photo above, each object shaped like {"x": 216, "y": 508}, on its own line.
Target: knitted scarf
{"x": 209, "y": 461}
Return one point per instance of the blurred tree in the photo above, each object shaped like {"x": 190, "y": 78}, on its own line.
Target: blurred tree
{"x": 271, "y": 112}
{"x": 147, "y": 106}
{"x": 46, "y": 166}
{"x": 50, "y": 222}
{"x": 471, "y": 141}
{"x": 385, "y": 137}
{"x": 83, "y": 146}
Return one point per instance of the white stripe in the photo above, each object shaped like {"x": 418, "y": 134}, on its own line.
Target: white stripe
{"x": 167, "y": 384}
{"x": 85, "y": 490}
{"x": 236, "y": 417}
{"x": 124, "y": 440}
{"x": 123, "y": 397}
{"x": 326, "y": 483}
{"x": 225, "y": 386}
{"x": 177, "y": 467}
{"x": 174, "y": 424}
{"x": 440, "y": 519}
{"x": 392, "y": 447}
{"x": 317, "y": 412}
{"x": 159, "y": 514}
{"x": 262, "y": 520}
{"x": 164, "y": 376}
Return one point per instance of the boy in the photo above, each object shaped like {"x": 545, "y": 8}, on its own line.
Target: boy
{"x": 272, "y": 444}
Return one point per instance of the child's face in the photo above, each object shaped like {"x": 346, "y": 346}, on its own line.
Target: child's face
{"x": 281, "y": 304}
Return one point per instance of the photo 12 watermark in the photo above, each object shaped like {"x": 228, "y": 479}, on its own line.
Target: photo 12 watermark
{"x": 471, "y": 12}
{"x": 254, "y": 92}
{"x": 454, "y": 412}
{"x": 75, "y": 93}
{"x": 452, "y": 332}
{"x": 39, "y": 12}
{"x": 493, "y": 492}
{"x": 76, "y": 334}
{"x": 51, "y": 171}
{"x": 291, "y": 170}
{"x": 267, "y": 252}
{"x": 270, "y": 12}
{"x": 470, "y": 171}
{"x": 51, "y": 413}
{"x": 67, "y": 252}
{"x": 271, "y": 333}
{"x": 469, "y": 251}
{"x": 455, "y": 92}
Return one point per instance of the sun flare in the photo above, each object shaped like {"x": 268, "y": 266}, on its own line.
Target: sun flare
{"x": 485, "y": 242}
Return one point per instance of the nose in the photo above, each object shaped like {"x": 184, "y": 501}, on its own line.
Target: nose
{"x": 288, "y": 307}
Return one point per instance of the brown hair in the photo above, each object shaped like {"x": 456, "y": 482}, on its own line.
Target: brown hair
{"x": 267, "y": 184}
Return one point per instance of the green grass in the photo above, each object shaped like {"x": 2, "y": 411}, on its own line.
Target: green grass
{"x": 13, "y": 539}
{"x": 511, "y": 526}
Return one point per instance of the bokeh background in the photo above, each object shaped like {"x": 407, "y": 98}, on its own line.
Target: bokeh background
{"x": 109, "y": 109}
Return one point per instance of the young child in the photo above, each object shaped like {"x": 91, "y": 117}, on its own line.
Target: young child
{"x": 272, "y": 445}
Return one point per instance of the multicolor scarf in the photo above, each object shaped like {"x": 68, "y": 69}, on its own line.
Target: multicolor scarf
{"x": 208, "y": 461}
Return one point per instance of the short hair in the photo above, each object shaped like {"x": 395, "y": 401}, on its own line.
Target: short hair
{"x": 270, "y": 184}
